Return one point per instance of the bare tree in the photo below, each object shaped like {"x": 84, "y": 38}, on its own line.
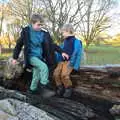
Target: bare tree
{"x": 3, "y": 13}
{"x": 14, "y": 28}
{"x": 2, "y": 9}
{"x": 23, "y": 9}
{"x": 95, "y": 19}
{"x": 89, "y": 17}
{"x": 59, "y": 12}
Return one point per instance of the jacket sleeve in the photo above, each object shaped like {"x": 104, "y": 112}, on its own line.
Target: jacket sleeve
{"x": 18, "y": 46}
{"x": 49, "y": 44}
{"x": 49, "y": 49}
{"x": 77, "y": 55}
{"x": 57, "y": 48}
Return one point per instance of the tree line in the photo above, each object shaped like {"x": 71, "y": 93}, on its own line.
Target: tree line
{"x": 89, "y": 17}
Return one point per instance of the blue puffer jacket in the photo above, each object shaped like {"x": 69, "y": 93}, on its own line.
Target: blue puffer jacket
{"x": 76, "y": 57}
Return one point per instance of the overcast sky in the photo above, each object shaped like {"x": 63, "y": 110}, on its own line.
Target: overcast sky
{"x": 115, "y": 19}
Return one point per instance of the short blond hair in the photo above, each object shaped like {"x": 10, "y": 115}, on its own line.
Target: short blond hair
{"x": 68, "y": 27}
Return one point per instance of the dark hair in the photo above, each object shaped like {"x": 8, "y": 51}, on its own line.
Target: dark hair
{"x": 36, "y": 18}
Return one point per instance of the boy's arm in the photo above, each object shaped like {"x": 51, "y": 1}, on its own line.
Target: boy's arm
{"x": 18, "y": 46}
{"x": 50, "y": 45}
{"x": 57, "y": 48}
{"x": 54, "y": 46}
{"x": 61, "y": 51}
{"x": 49, "y": 49}
{"x": 48, "y": 52}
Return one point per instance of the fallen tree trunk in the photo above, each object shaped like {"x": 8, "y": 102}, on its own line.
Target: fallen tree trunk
{"x": 93, "y": 81}
{"x": 57, "y": 108}
{"x": 99, "y": 75}
{"x": 98, "y": 81}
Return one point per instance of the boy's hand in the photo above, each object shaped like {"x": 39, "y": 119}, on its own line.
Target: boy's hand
{"x": 14, "y": 61}
{"x": 65, "y": 56}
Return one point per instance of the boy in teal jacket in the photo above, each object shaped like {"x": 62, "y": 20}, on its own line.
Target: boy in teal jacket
{"x": 33, "y": 37}
{"x": 73, "y": 47}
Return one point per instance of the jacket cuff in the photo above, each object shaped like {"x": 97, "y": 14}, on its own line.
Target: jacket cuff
{"x": 15, "y": 57}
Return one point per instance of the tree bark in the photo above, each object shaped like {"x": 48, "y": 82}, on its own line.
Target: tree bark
{"x": 98, "y": 82}
{"x": 93, "y": 81}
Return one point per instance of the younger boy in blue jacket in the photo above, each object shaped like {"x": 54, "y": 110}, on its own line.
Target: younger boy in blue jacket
{"x": 73, "y": 47}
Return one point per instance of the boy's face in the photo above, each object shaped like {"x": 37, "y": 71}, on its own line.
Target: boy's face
{"x": 65, "y": 33}
{"x": 37, "y": 26}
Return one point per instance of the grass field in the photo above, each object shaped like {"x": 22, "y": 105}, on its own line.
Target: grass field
{"x": 103, "y": 55}
{"x": 96, "y": 55}
{"x": 5, "y": 56}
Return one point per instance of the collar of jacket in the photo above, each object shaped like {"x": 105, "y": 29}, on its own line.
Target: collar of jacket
{"x": 42, "y": 29}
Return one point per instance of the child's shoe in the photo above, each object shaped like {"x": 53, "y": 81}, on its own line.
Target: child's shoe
{"x": 60, "y": 90}
{"x": 46, "y": 92}
{"x": 68, "y": 92}
{"x": 35, "y": 92}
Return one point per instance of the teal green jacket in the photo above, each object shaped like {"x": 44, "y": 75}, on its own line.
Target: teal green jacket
{"x": 35, "y": 43}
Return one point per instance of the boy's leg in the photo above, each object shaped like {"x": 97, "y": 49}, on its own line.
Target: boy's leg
{"x": 65, "y": 76}
{"x": 66, "y": 71}
{"x": 35, "y": 79}
{"x": 40, "y": 72}
{"x": 58, "y": 81}
{"x": 57, "y": 74}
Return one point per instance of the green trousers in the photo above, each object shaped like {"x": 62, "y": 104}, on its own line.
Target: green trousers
{"x": 40, "y": 73}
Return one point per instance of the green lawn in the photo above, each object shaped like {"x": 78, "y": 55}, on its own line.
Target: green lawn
{"x": 96, "y": 55}
{"x": 5, "y": 56}
{"x": 103, "y": 55}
